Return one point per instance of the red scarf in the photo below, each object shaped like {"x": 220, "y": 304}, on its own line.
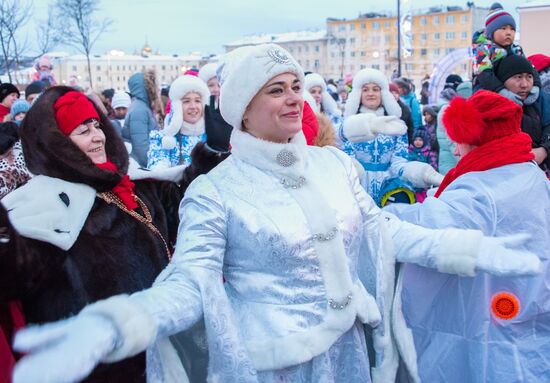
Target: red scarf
{"x": 125, "y": 188}
{"x": 507, "y": 150}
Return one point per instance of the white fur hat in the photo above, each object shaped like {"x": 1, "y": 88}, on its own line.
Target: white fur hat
{"x": 179, "y": 88}
{"x": 328, "y": 103}
{"x": 208, "y": 71}
{"x": 367, "y": 76}
{"x": 244, "y": 71}
{"x": 121, "y": 100}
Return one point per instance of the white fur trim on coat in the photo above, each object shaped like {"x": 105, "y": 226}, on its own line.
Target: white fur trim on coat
{"x": 311, "y": 101}
{"x": 366, "y": 76}
{"x": 50, "y": 210}
{"x": 244, "y": 71}
{"x": 136, "y": 328}
{"x": 179, "y": 88}
{"x": 208, "y": 71}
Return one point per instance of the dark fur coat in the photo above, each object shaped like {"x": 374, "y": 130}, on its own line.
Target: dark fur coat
{"x": 113, "y": 254}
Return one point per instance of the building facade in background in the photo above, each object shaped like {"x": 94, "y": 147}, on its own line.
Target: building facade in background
{"x": 370, "y": 41}
{"x": 534, "y": 18}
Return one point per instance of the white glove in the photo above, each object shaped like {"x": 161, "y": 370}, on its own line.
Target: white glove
{"x": 63, "y": 351}
{"x": 366, "y": 126}
{"x": 421, "y": 175}
{"x": 497, "y": 256}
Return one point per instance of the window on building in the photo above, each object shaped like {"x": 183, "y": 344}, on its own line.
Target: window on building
{"x": 423, "y": 52}
{"x": 376, "y": 25}
{"x": 463, "y": 19}
{"x": 290, "y": 49}
{"x": 352, "y": 40}
{"x": 98, "y": 67}
{"x": 363, "y": 53}
{"x": 449, "y": 19}
{"x": 307, "y": 48}
{"x": 437, "y": 36}
{"x": 448, "y": 50}
{"x": 386, "y": 66}
{"x": 74, "y": 68}
{"x": 352, "y": 54}
{"x": 423, "y": 20}
{"x": 98, "y": 78}
{"x": 118, "y": 78}
{"x": 352, "y": 68}
{"x": 376, "y": 40}
{"x": 300, "y": 62}
{"x": 316, "y": 64}
{"x": 449, "y": 35}
{"x": 423, "y": 37}
{"x": 163, "y": 67}
{"x": 387, "y": 39}
{"x": 409, "y": 67}
{"x": 299, "y": 49}
{"x": 307, "y": 63}
{"x": 436, "y": 20}
{"x": 375, "y": 66}
{"x": 124, "y": 67}
{"x": 363, "y": 25}
{"x": 342, "y": 27}
{"x": 436, "y": 52}
{"x": 386, "y": 24}
{"x": 352, "y": 27}
{"x": 316, "y": 48}
{"x": 362, "y": 66}
{"x": 342, "y": 54}
{"x": 464, "y": 35}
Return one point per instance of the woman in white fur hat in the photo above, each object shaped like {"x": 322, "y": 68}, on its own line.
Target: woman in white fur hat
{"x": 374, "y": 134}
{"x": 280, "y": 252}
{"x": 183, "y": 127}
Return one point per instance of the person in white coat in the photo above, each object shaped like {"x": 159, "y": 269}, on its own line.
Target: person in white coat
{"x": 483, "y": 328}
{"x": 282, "y": 254}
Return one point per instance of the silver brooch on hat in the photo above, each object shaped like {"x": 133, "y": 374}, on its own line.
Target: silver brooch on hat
{"x": 286, "y": 158}
{"x": 278, "y": 56}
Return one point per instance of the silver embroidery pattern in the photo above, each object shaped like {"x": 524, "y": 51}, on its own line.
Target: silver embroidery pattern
{"x": 340, "y": 305}
{"x": 278, "y": 56}
{"x": 286, "y": 158}
{"x": 323, "y": 237}
{"x": 291, "y": 184}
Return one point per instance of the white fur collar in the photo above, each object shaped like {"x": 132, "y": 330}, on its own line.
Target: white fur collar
{"x": 195, "y": 129}
{"x": 379, "y": 112}
{"x": 263, "y": 154}
{"x": 50, "y": 210}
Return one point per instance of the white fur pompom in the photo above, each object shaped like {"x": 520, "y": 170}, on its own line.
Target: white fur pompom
{"x": 169, "y": 142}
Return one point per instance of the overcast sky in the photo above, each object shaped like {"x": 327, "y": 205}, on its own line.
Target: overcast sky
{"x": 173, "y": 26}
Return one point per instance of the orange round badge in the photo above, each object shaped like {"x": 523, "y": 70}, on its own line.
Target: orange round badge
{"x": 505, "y": 305}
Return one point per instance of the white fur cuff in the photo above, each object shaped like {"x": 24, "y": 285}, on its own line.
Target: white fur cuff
{"x": 358, "y": 128}
{"x": 458, "y": 252}
{"x": 136, "y": 327}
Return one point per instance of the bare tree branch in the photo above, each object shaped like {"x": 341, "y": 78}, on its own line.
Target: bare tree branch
{"x": 47, "y": 33}
{"x": 14, "y": 15}
{"x": 82, "y": 30}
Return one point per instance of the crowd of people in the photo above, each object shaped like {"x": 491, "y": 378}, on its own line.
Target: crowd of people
{"x": 255, "y": 223}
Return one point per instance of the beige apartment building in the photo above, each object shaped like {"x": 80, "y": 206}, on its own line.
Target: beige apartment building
{"x": 309, "y": 48}
{"x": 534, "y": 20}
{"x": 370, "y": 41}
{"x": 112, "y": 70}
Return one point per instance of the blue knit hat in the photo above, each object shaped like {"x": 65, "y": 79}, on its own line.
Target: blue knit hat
{"x": 496, "y": 20}
{"x": 19, "y": 106}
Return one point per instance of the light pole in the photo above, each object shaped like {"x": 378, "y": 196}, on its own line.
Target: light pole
{"x": 398, "y": 38}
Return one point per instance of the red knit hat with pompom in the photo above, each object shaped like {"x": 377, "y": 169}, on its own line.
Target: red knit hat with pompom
{"x": 484, "y": 117}
{"x": 72, "y": 109}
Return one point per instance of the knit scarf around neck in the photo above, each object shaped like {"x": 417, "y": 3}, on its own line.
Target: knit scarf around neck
{"x": 507, "y": 150}
{"x": 124, "y": 189}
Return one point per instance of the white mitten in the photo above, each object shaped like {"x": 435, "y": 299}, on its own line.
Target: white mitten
{"x": 421, "y": 175}
{"x": 64, "y": 351}
{"x": 389, "y": 125}
{"x": 497, "y": 256}
{"x": 366, "y": 126}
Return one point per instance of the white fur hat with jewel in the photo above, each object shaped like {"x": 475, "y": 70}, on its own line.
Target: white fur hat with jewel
{"x": 244, "y": 71}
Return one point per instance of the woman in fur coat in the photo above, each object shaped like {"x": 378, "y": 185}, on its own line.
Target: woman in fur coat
{"x": 374, "y": 135}
{"x": 80, "y": 230}
{"x": 280, "y": 254}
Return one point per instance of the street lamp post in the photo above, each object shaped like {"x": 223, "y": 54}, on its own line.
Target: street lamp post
{"x": 398, "y": 38}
